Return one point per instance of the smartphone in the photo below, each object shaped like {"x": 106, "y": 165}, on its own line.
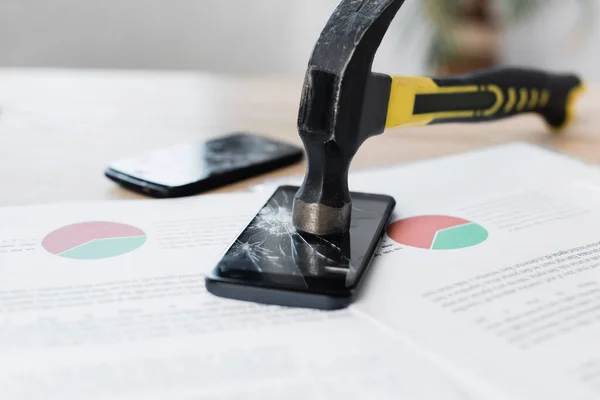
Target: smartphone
{"x": 188, "y": 169}
{"x": 272, "y": 263}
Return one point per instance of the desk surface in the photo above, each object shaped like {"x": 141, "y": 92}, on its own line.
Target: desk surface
{"x": 59, "y": 128}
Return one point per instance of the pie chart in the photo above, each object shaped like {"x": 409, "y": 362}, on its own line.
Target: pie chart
{"x": 94, "y": 240}
{"x": 437, "y": 232}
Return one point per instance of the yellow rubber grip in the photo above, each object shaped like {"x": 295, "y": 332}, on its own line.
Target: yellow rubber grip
{"x": 483, "y": 96}
{"x": 404, "y": 91}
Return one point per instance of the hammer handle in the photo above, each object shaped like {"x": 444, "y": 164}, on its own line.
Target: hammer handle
{"x": 485, "y": 95}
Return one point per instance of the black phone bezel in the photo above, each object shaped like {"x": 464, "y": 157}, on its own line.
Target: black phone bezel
{"x": 211, "y": 182}
{"x": 321, "y": 294}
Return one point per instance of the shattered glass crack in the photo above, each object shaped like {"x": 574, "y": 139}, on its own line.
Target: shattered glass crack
{"x": 270, "y": 252}
{"x": 272, "y": 244}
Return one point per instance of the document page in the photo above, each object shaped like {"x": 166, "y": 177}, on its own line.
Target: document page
{"x": 491, "y": 264}
{"x": 86, "y": 242}
{"x": 194, "y": 345}
{"x": 107, "y": 301}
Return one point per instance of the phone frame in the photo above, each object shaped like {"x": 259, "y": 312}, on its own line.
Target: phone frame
{"x": 210, "y": 182}
{"x": 334, "y": 298}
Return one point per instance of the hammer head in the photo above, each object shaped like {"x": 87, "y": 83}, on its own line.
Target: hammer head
{"x": 343, "y": 103}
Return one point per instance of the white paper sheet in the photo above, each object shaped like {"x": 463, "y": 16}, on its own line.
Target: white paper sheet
{"x": 512, "y": 317}
{"x": 520, "y": 309}
{"x": 140, "y": 325}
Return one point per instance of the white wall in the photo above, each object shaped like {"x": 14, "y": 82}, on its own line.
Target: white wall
{"x": 141, "y": 33}
{"x": 237, "y": 36}
{"x": 249, "y": 36}
{"x": 549, "y": 41}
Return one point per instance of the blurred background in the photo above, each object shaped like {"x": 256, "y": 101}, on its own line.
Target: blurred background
{"x": 275, "y": 37}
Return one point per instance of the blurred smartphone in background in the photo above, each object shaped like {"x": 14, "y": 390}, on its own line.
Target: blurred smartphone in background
{"x": 189, "y": 169}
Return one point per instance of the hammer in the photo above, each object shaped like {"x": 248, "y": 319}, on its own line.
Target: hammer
{"x": 343, "y": 103}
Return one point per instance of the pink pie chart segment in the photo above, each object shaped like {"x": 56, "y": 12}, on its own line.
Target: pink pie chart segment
{"x": 420, "y": 231}
{"x": 71, "y": 236}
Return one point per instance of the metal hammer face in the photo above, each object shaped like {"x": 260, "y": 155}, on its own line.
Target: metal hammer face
{"x": 343, "y": 103}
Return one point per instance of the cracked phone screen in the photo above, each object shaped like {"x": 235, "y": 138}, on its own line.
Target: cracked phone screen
{"x": 271, "y": 252}
{"x": 191, "y": 162}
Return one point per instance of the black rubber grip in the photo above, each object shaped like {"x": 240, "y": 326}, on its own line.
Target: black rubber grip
{"x": 501, "y": 93}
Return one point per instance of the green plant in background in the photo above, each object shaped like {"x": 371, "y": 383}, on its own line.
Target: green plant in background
{"x": 447, "y": 15}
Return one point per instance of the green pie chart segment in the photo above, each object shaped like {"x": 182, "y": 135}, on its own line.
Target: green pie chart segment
{"x": 459, "y": 237}
{"x": 105, "y": 248}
